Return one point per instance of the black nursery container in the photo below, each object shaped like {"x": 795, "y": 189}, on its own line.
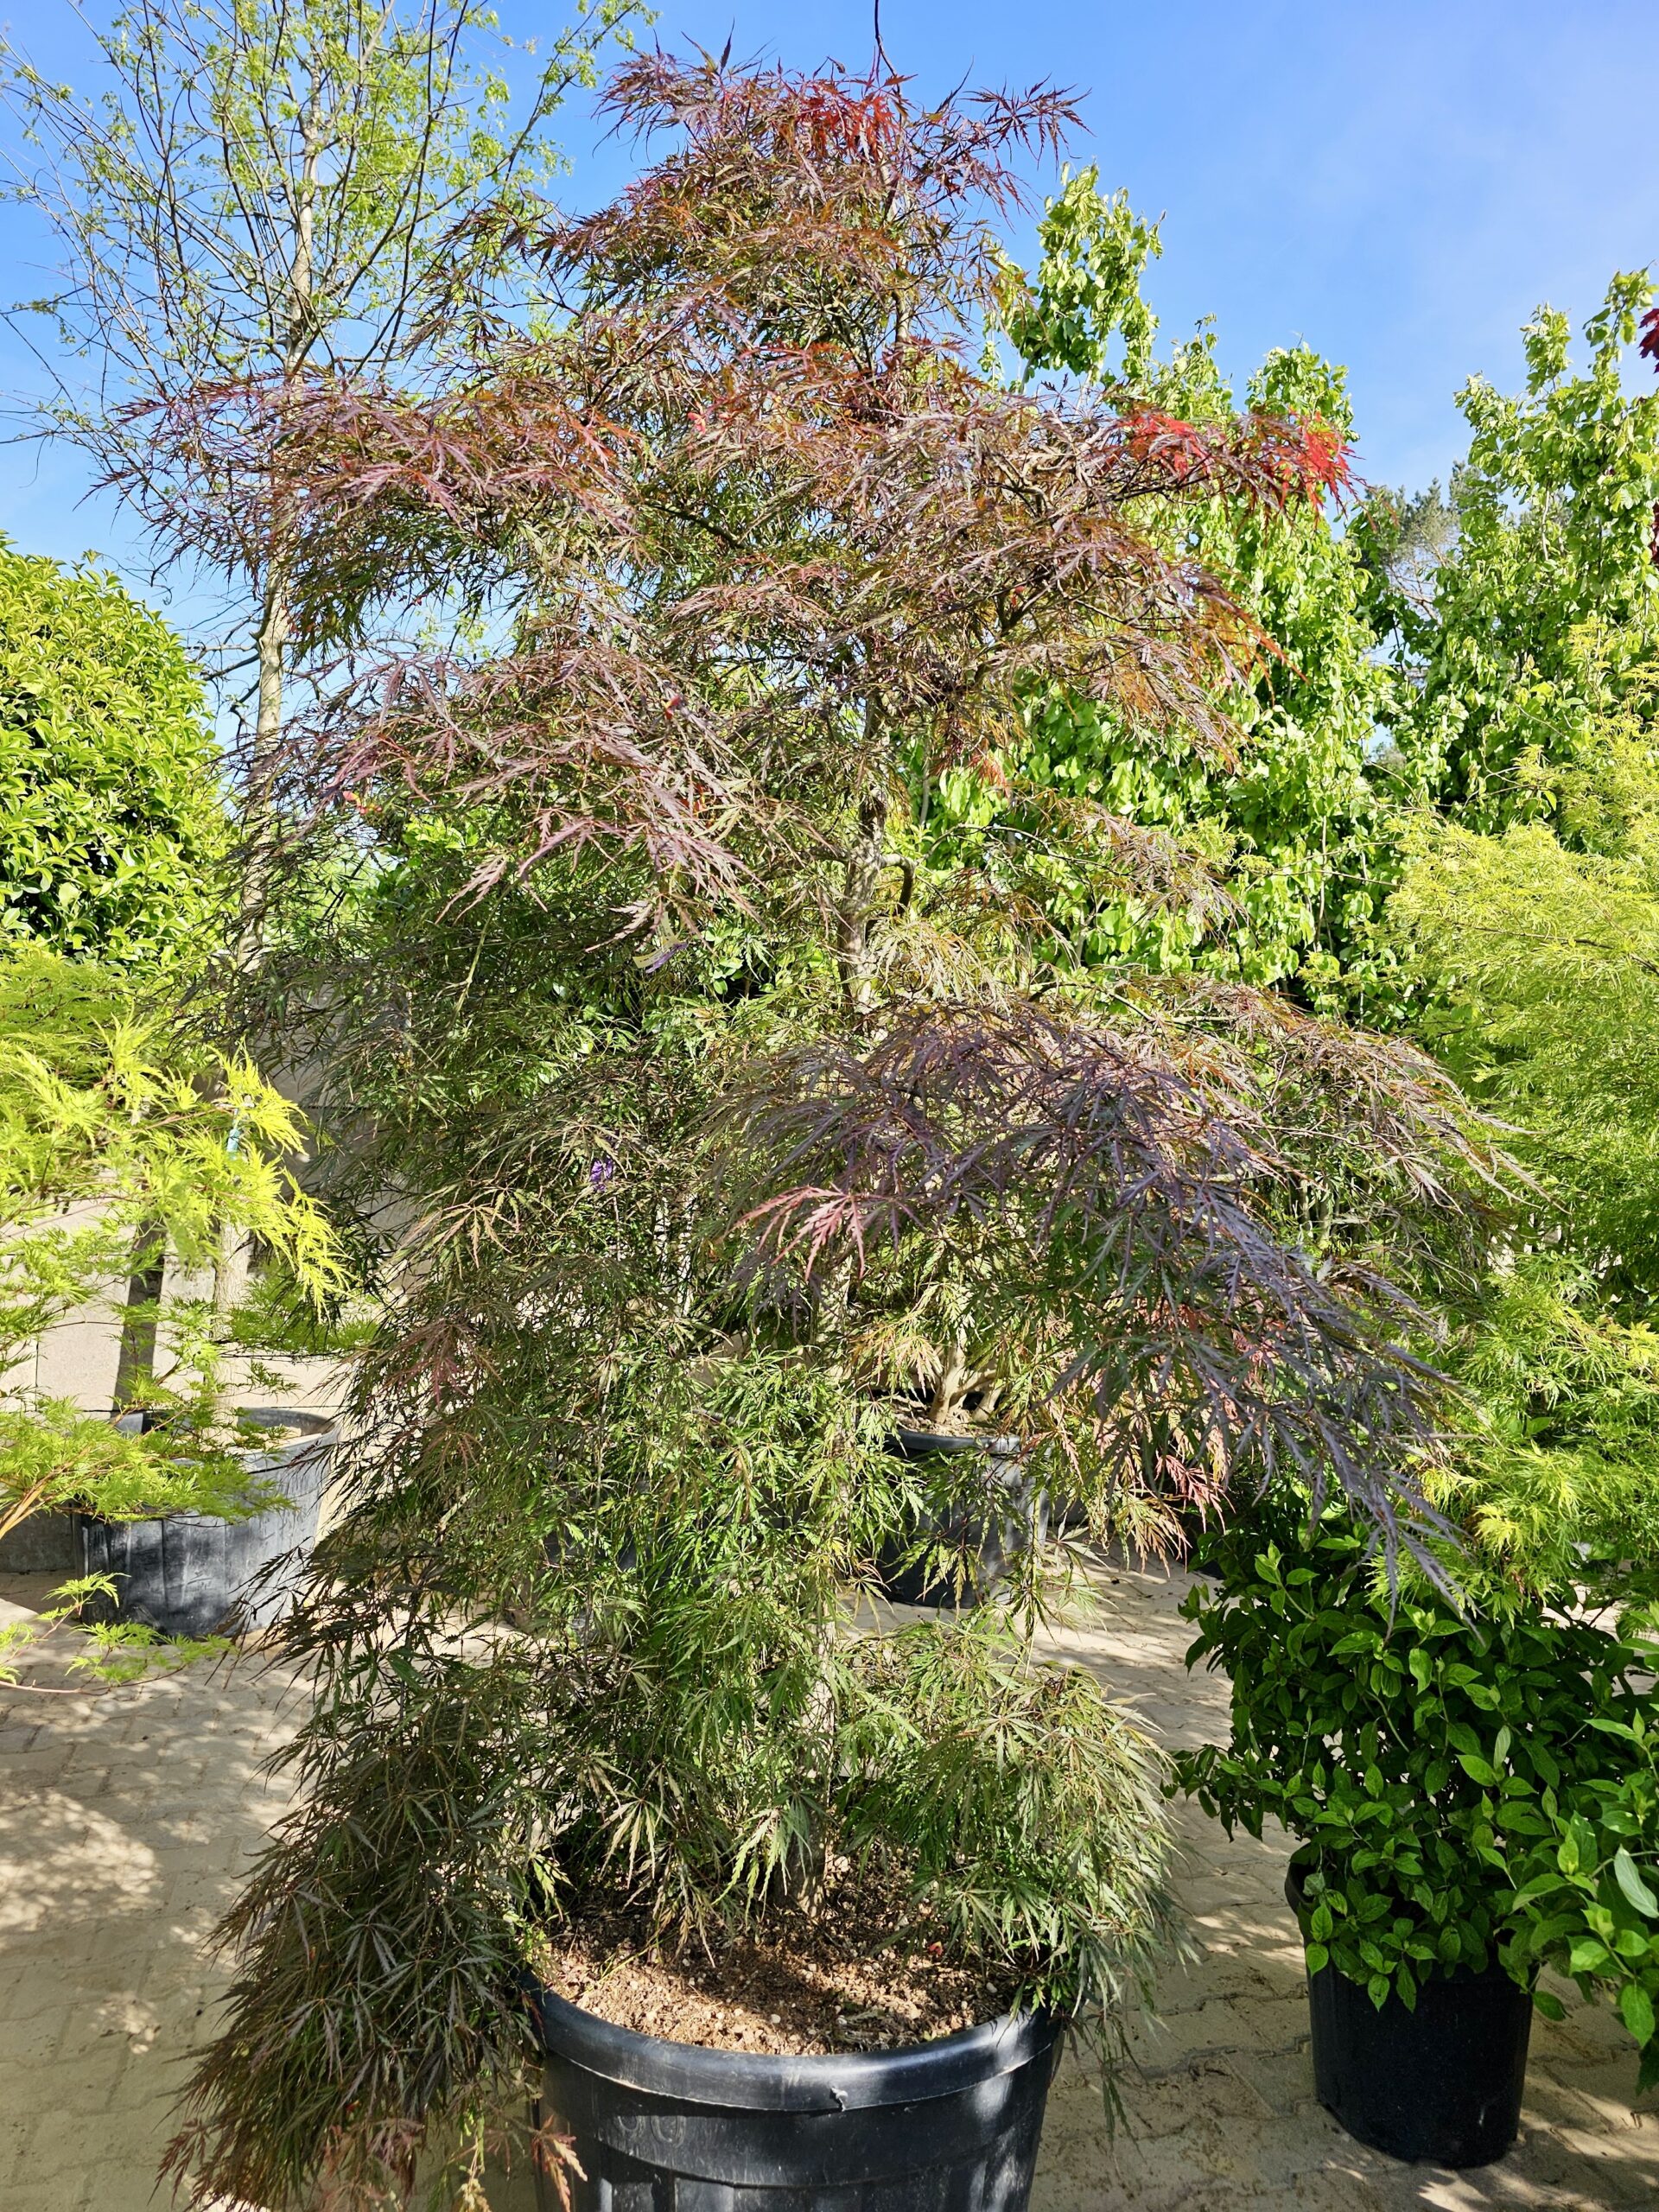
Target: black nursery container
{"x": 190, "y": 1574}
{"x": 659, "y": 2127}
{"x": 994, "y": 1541}
{"x": 1442, "y": 2082}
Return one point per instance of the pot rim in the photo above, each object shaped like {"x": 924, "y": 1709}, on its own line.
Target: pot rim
{"x": 749, "y": 2081}
{"x": 924, "y": 1442}
{"x": 307, "y": 1456}
{"x": 314, "y": 1427}
{"x": 313, "y": 1424}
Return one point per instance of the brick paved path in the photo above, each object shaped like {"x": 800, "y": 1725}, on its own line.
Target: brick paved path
{"x": 126, "y": 1821}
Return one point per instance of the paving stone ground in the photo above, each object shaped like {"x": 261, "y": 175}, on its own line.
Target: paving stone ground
{"x": 127, "y": 1820}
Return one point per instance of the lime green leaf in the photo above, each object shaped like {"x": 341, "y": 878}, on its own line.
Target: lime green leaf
{"x": 1629, "y": 1880}
{"x": 1636, "y": 2008}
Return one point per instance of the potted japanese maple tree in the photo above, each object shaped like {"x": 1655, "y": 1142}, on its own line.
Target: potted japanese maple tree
{"x": 696, "y": 1100}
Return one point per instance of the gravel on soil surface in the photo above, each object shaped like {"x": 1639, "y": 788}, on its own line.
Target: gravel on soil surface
{"x": 859, "y": 1972}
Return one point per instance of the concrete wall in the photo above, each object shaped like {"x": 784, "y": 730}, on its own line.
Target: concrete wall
{"x": 76, "y": 1358}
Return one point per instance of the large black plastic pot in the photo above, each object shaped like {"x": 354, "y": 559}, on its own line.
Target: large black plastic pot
{"x": 191, "y": 1574}
{"x": 993, "y": 1541}
{"x": 46, "y": 1543}
{"x": 1442, "y": 2082}
{"x": 945, "y": 2126}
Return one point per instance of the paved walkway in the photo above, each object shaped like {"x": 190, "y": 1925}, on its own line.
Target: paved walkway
{"x": 126, "y": 1821}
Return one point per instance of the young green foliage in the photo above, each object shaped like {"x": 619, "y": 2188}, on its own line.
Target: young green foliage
{"x": 1279, "y": 823}
{"x": 118, "y": 1146}
{"x": 1558, "y": 1478}
{"x": 1539, "y": 947}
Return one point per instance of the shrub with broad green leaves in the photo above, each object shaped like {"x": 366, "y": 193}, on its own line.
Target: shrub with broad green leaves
{"x": 1470, "y": 1781}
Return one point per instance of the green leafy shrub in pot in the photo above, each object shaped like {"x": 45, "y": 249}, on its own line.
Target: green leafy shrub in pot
{"x": 1470, "y": 1783}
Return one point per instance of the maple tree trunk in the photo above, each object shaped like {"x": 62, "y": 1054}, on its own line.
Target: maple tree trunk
{"x": 862, "y": 875}
{"x": 955, "y": 1377}
{"x": 136, "y": 1362}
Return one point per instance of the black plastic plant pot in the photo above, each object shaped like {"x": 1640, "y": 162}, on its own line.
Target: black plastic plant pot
{"x": 190, "y": 1574}
{"x": 992, "y": 1542}
{"x": 1441, "y": 2083}
{"x": 945, "y": 2126}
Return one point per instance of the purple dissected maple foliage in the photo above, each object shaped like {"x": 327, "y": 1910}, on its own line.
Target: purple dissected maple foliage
{"x": 746, "y": 531}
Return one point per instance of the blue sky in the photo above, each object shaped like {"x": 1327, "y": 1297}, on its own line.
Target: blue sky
{"x": 1397, "y": 184}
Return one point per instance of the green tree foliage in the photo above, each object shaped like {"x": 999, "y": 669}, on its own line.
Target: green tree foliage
{"x": 1086, "y": 291}
{"x": 1540, "y": 945}
{"x": 114, "y": 840}
{"x": 1283, "y": 818}
{"x": 1558, "y": 1476}
{"x": 1534, "y": 953}
{"x": 1553, "y": 507}
{"x": 260, "y": 194}
{"x": 101, "y": 1103}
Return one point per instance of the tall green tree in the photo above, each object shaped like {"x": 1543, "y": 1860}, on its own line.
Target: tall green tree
{"x": 1280, "y": 815}
{"x": 113, "y": 835}
{"x": 258, "y": 199}
{"x": 1521, "y": 615}
{"x": 1538, "y": 617}
{"x": 1526, "y": 712}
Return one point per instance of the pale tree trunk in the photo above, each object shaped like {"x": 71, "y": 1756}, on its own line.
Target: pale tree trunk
{"x": 276, "y": 610}
{"x": 231, "y": 1263}
{"x": 136, "y": 1362}
{"x": 956, "y": 1378}
{"x": 271, "y": 647}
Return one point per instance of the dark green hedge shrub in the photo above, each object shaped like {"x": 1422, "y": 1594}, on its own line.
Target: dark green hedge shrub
{"x": 113, "y": 830}
{"x": 1469, "y": 1780}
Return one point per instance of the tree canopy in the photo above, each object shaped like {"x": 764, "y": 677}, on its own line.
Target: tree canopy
{"x": 259, "y": 192}
{"x": 113, "y": 837}
{"x": 1537, "y": 614}
{"x": 1279, "y": 816}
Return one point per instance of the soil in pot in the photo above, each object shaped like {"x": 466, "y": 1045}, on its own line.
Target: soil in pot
{"x": 991, "y": 1542}
{"x": 934, "y": 2122}
{"x": 859, "y": 1971}
{"x": 192, "y": 1574}
{"x": 1442, "y": 2081}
